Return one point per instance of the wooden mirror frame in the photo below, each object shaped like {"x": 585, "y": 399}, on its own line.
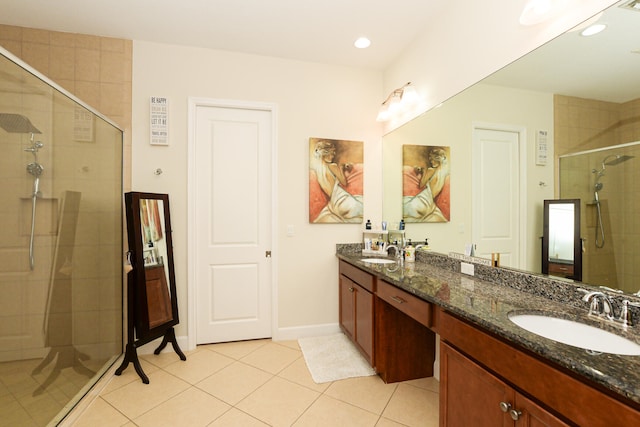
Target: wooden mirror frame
{"x": 148, "y": 297}
{"x": 575, "y": 270}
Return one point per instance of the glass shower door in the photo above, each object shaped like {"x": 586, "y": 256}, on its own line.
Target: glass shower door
{"x": 60, "y": 246}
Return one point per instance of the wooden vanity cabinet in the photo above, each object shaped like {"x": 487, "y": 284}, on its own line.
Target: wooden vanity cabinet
{"x": 479, "y": 371}
{"x": 356, "y": 301}
{"x": 473, "y": 396}
{"x": 404, "y": 344}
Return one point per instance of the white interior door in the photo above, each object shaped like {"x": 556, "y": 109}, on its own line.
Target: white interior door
{"x": 497, "y": 195}
{"x": 232, "y": 190}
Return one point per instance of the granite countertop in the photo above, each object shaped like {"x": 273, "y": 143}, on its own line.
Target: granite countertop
{"x": 485, "y": 301}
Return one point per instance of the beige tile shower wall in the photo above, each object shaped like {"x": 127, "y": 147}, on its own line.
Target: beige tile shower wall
{"x": 584, "y": 124}
{"x": 630, "y": 121}
{"x": 95, "y": 69}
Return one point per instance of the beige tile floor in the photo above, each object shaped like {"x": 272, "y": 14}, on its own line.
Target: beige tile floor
{"x": 255, "y": 383}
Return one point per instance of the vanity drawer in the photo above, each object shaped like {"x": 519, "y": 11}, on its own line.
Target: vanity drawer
{"x": 362, "y": 278}
{"x": 556, "y": 268}
{"x": 407, "y": 303}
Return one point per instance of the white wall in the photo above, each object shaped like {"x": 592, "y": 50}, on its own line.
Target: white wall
{"x": 470, "y": 40}
{"x": 313, "y": 100}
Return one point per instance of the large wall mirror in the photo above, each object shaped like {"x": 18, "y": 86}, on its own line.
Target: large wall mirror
{"x": 577, "y": 97}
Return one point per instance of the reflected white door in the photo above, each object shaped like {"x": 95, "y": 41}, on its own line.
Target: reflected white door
{"x": 232, "y": 233}
{"x": 496, "y": 194}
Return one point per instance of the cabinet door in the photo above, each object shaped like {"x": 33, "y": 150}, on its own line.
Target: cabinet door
{"x": 364, "y": 321}
{"x": 347, "y": 306}
{"x": 533, "y": 415}
{"x": 469, "y": 395}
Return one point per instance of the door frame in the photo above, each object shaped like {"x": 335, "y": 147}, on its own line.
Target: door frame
{"x": 193, "y": 104}
{"x": 522, "y": 185}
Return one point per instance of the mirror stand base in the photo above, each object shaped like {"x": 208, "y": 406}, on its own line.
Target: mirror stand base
{"x": 170, "y": 337}
{"x": 131, "y": 355}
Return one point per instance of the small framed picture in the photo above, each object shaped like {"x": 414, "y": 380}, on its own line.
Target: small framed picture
{"x": 159, "y": 120}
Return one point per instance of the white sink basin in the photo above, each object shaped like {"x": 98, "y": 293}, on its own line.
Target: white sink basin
{"x": 576, "y": 334}
{"x": 378, "y": 260}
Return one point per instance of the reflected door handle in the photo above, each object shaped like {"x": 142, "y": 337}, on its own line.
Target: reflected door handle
{"x": 267, "y": 254}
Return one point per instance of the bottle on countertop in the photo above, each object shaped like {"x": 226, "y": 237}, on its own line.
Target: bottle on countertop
{"x": 426, "y": 247}
{"x": 409, "y": 252}
{"x": 367, "y": 226}
{"x": 401, "y": 226}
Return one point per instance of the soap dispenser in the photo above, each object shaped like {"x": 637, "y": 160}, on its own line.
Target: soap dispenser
{"x": 409, "y": 252}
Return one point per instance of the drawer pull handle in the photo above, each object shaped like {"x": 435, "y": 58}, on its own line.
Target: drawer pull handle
{"x": 515, "y": 414}
{"x": 398, "y": 300}
{"x": 351, "y": 289}
{"x": 504, "y": 406}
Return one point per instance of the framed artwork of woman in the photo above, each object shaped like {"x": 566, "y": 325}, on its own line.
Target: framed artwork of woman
{"x": 335, "y": 181}
{"x": 425, "y": 183}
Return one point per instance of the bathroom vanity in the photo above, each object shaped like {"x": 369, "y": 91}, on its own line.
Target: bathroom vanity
{"x": 492, "y": 372}
{"x": 389, "y": 326}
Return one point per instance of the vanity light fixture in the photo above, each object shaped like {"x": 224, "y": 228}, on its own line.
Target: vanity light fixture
{"x": 398, "y": 101}
{"x": 632, "y": 5}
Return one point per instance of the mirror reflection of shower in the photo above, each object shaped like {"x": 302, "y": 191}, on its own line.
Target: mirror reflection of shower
{"x": 17, "y": 123}
{"x": 610, "y": 160}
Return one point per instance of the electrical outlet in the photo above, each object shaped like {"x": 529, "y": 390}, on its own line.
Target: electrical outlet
{"x": 466, "y": 268}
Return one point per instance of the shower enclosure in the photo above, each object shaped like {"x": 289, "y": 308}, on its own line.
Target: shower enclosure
{"x": 61, "y": 246}
{"x": 607, "y": 181}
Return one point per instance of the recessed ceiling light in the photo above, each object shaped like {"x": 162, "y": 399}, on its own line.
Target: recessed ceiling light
{"x": 362, "y": 43}
{"x": 593, "y": 29}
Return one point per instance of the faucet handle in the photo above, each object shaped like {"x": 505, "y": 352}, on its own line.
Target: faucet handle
{"x": 625, "y": 314}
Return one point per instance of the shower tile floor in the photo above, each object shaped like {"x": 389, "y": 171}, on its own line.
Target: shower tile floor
{"x": 254, "y": 383}
{"x": 27, "y": 399}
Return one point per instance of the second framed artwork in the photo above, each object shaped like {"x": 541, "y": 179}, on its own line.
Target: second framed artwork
{"x": 335, "y": 181}
{"x": 426, "y": 192}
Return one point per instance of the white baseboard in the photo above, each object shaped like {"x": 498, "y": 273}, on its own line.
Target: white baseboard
{"x": 295, "y": 332}
{"x": 150, "y": 347}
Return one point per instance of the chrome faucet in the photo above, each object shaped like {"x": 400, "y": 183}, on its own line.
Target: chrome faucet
{"x": 398, "y": 251}
{"x": 599, "y": 304}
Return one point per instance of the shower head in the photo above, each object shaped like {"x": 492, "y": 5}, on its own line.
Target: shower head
{"x": 610, "y": 160}
{"x": 17, "y": 123}
{"x": 615, "y": 159}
